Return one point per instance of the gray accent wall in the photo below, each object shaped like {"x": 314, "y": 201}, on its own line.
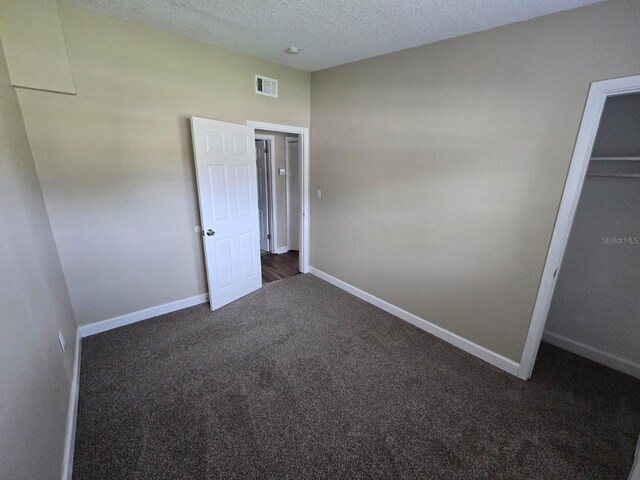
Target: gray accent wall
{"x": 442, "y": 167}
{"x": 35, "y": 375}
{"x": 596, "y": 301}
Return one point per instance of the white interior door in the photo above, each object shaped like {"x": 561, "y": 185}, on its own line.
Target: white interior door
{"x": 294, "y": 193}
{"x": 263, "y": 193}
{"x": 226, "y": 176}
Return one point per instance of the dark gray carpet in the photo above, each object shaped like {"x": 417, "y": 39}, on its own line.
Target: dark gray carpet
{"x": 302, "y": 380}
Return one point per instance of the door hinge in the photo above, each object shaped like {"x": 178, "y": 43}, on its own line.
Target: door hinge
{"x": 268, "y": 236}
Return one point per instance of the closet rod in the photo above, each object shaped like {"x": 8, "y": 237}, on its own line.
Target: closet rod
{"x": 615, "y": 159}
{"x": 616, "y": 175}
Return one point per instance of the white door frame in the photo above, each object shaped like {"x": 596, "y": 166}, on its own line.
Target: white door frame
{"x": 271, "y": 194}
{"x": 288, "y": 140}
{"x": 303, "y": 135}
{"x": 598, "y": 94}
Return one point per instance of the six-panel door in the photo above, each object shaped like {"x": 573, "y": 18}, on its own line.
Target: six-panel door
{"x": 227, "y": 189}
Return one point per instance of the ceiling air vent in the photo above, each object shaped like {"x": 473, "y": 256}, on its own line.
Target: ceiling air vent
{"x": 266, "y": 86}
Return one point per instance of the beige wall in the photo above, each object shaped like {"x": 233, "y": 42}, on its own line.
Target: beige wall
{"x": 34, "y": 45}
{"x": 35, "y": 375}
{"x": 281, "y": 183}
{"x": 441, "y": 167}
{"x": 115, "y": 161}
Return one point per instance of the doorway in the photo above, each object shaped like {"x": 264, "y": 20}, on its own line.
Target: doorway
{"x": 227, "y": 181}
{"x": 279, "y": 172}
{"x": 609, "y": 167}
{"x": 279, "y": 178}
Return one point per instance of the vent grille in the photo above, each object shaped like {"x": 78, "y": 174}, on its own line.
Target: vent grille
{"x": 266, "y": 86}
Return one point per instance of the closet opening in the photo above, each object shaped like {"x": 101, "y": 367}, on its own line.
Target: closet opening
{"x": 587, "y": 301}
{"x": 591, "y": 306}
{"x": 595, "y": 310}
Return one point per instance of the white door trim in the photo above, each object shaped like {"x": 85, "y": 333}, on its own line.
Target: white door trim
{"x": 273, "y": 215}
{"x": 598, "y": 94}
{"x": 303, "y": 133}
{"x": 72, "y": 412}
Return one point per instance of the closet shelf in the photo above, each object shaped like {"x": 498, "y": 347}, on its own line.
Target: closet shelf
{"x": 616, "y": 175}
{"x": 615, "y": 159}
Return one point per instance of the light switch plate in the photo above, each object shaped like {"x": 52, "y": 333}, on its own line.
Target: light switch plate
{"x": 282, "y": 172}
{"x": 319, "y": 193}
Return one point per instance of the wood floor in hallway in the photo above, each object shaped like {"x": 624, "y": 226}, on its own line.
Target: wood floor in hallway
{"x": 277, "y": 267}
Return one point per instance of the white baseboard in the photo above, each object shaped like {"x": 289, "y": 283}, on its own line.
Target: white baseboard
{"x": 280, "y": 250}
{"x": 72, "y": 415}
{"x": 608, "y": 359}
{"x": 468, "y": 346}
{"x": 111, "y": 323}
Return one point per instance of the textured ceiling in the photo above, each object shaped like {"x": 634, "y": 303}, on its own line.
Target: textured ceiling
{"x": 328, "y": 32}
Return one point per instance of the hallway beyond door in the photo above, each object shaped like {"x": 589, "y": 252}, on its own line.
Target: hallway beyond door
{"x": 277, "y": 267}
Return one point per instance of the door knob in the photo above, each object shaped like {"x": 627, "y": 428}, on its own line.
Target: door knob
{"x": 210, "y": 233}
